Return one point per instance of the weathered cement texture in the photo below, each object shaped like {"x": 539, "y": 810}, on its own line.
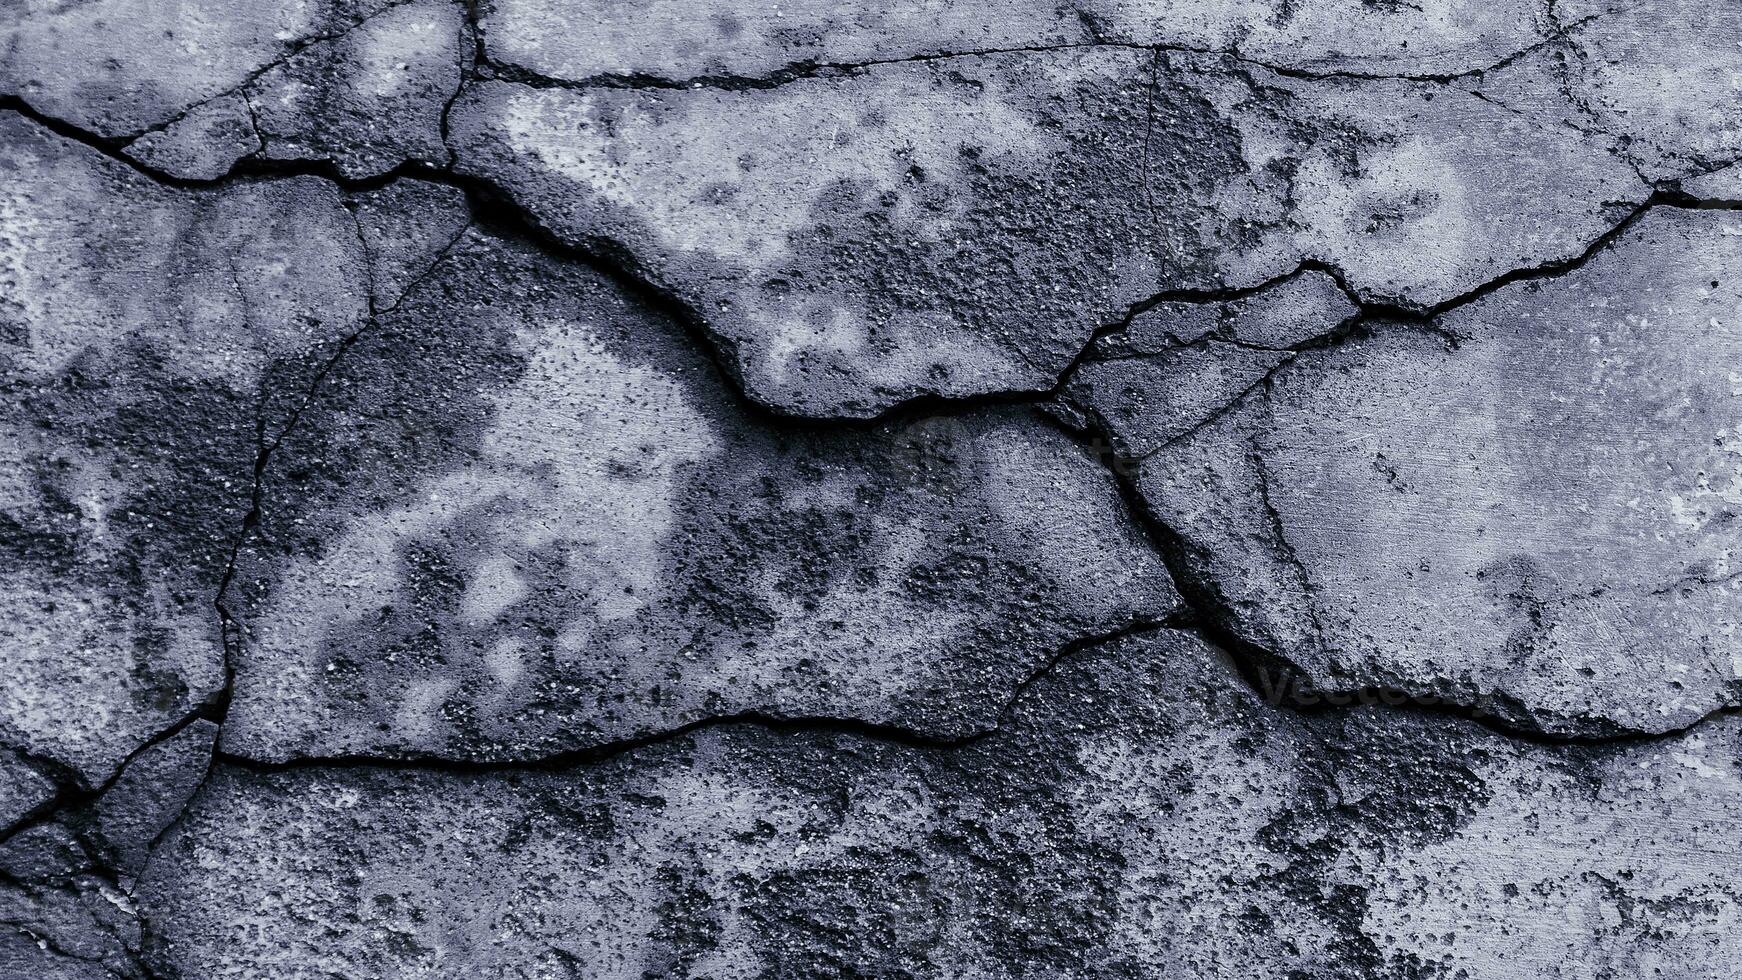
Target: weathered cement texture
{"x": 24, "y": 788}
{"x": 1659, "y": 77}
{"x": 962, "y": 226}
{"x": 673, "y": 41}
{"x": 1108, "y": 488}
{"x": 1141, "y": 813}
{"x": 1722, "y": 184}
{"x": 66, "y": 880}
{"x": 1537, "y": 518}
{"x": 84, "y": 928}
{"x": 141, "y": 325}
{"x": 118, "y": 67}
{"x": 524, "y": 515}
{"x": 197, "y": 87}
{"x": 1179, "y": 364}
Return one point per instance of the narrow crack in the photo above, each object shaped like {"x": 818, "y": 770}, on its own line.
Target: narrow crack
{"x": 884, "y": 732}
{"x": 75, "y": 794}
{"x": 1282, "y": 684}
{"x": 493, "y": 207}
{"x": 796, "y": 71}
{"x": 499, "y": 207}
{"x": 229, "y": 625}
{"x": 292, "y": 50}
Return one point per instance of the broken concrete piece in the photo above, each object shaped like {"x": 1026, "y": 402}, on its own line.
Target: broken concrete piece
{"x": 370, "y": 98}
{"x": 405, "y": 228}
{"x": 142, "y": 325}
{"x": 363, "y": 84}
{"x": 1179, "y": 364}
{"x": 524, "y": 515}
{"x": 1538, "y": 522}
{"x": 1722, "y": 184}
{"x": 119, "y": 67}
{"x": 962, "y": 226}
{"x": 1142, "y": 813}
{"x": 147, "y": 797}
{"x": 81, "y": 929}
{"x": 205, "y": 143}
{"x": 1302, "y": 308}
{"x": 24, "y": 788}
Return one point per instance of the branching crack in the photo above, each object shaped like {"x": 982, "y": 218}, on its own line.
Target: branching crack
{"x": 74, "y": 793}
{"x": 1094, "y": 38}
{"x": 1283, "y": 684}
{"x": 291, "y": 51}
{"x": 491, "y": 205}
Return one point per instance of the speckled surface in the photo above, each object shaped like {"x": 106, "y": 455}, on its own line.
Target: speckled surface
{"x": 1114, "y": 488}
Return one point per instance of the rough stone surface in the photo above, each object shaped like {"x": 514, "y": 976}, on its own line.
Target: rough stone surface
{"x": 1033, "y": 488}
{"x": 1143, "y": 813}
{"x": 1658, "y": 77}
{"x": 524, "y": 514}
{"x": 1538, "y": 516}
{"x": 962, "y": 226}
{"x": 197, "y": 87}
{"x": 674, "y": 41}
{"x": 141, "y": 326}
{"x": 119, "y": 68}
{"x": 23, "y": 788}
{"x": 148, "y": 796}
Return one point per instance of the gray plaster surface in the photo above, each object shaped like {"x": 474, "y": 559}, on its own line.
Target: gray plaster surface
{"x": 1107, "y": 488}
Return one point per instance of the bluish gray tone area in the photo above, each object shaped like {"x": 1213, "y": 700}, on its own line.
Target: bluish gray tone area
{"x": 910, "y": 489}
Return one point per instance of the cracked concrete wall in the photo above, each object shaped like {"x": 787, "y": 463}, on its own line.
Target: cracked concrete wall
{"x": 1121, "y": 488}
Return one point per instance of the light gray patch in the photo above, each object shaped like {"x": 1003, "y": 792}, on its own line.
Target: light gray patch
{"x": 1657, "y": 77}
{"x": 118, "y": 68}
{"x": 1295, "y": 311}
{"x": 963, "y": 226}
{"x": 674, "y": 40}
{"x": 1723, "y": 184}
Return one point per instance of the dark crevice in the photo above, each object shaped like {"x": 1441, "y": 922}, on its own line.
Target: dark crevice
{"x": 73, "y": 793}
{"x": 1283, "y": 684}
{"x": 292, "y": 49}
{"x": 472, "y": 36}
{"x": 792, "y": 72}
{"x": 885, "y": 732}
{"x": 68, "y": 782}
{"x": 266, "y": 446}
{"x": 496, "y": 211}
